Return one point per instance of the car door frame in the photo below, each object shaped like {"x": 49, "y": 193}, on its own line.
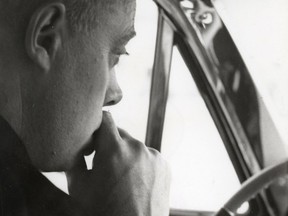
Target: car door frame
{"x": 175, "y": 30}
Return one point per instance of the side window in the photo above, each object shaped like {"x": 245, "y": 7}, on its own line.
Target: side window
{"x": 134, "y": 73}
{"x": 203, "y": 177}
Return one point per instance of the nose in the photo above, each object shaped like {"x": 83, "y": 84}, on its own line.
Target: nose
{"x": 113, "y": 93}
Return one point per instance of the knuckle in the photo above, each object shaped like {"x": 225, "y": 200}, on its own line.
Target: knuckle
{"x": 155, "y": 153}
{"x": 136, "y": 145}
{"x": 139, "y": 145}
{"x": 159, "y": 159}
{"x": 129, "y": 148}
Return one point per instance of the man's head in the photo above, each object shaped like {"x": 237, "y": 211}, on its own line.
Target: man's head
{"x": 57, "y": 63}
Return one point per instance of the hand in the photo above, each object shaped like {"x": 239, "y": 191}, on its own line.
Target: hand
{"x": 127, "y": 179}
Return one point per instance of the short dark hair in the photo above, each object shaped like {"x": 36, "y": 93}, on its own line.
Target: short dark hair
{"x": 81, "y": 14}
{"x": 84, "y": 14}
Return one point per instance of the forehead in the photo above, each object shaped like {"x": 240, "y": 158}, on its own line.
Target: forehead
{"x": 113, "y": 4}
{"x": 124, "y": 10}
{"x": 119, "y": 18}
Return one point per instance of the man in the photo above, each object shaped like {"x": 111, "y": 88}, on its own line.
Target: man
{"x": 57, "y": 63}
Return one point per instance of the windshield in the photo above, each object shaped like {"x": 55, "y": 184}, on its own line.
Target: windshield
{"x": 260, "y": 29}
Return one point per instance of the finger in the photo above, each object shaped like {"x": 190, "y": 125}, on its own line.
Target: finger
{"x": 77, "y": 171}
{"x": 124, "y": 134}
{"x": 107, "y": 136}
{"x": 127, "y": 137}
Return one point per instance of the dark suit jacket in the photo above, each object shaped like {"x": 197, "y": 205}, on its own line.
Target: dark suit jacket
{"x": 24, "y": 191}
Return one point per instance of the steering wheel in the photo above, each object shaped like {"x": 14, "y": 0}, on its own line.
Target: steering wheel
{"x": 252, "y": 186}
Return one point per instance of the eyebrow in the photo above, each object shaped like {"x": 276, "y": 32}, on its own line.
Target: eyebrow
{"x": 127, "y": 37}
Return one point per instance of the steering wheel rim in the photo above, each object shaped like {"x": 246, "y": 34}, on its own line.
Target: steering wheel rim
{"x": 252, "y": 186}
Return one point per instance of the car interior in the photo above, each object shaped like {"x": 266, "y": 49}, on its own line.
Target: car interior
{"x": 198, "y": 92}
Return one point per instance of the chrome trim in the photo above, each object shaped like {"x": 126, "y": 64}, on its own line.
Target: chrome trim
{"x": 177, "y": 212}
{"x": 160, "y": 82}
{"x": 200, "y": 38}
{"x": 194, "y": 39}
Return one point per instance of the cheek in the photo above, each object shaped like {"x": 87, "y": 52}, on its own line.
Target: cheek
{"x": 90, "y": 85}
{"x": 61, "y": 118}
{"x": 73, "y": 111}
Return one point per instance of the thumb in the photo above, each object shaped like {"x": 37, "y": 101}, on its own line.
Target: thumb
{"x": 77, "y": 173}
{"x": 107, "y": 136}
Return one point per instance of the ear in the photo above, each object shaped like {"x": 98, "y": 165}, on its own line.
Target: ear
{"x": 44, "y": 34}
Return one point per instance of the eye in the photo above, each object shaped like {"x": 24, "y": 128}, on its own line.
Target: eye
{"x": 116, "y": 56}
{"x": 116, "y": 60}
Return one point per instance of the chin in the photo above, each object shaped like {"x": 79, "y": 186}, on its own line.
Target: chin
{"x": 55, "y": 168}
{"x": 54, "y": 165}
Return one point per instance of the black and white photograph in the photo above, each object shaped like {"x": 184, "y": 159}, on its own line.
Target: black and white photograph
{"x": 143, "y": 108}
